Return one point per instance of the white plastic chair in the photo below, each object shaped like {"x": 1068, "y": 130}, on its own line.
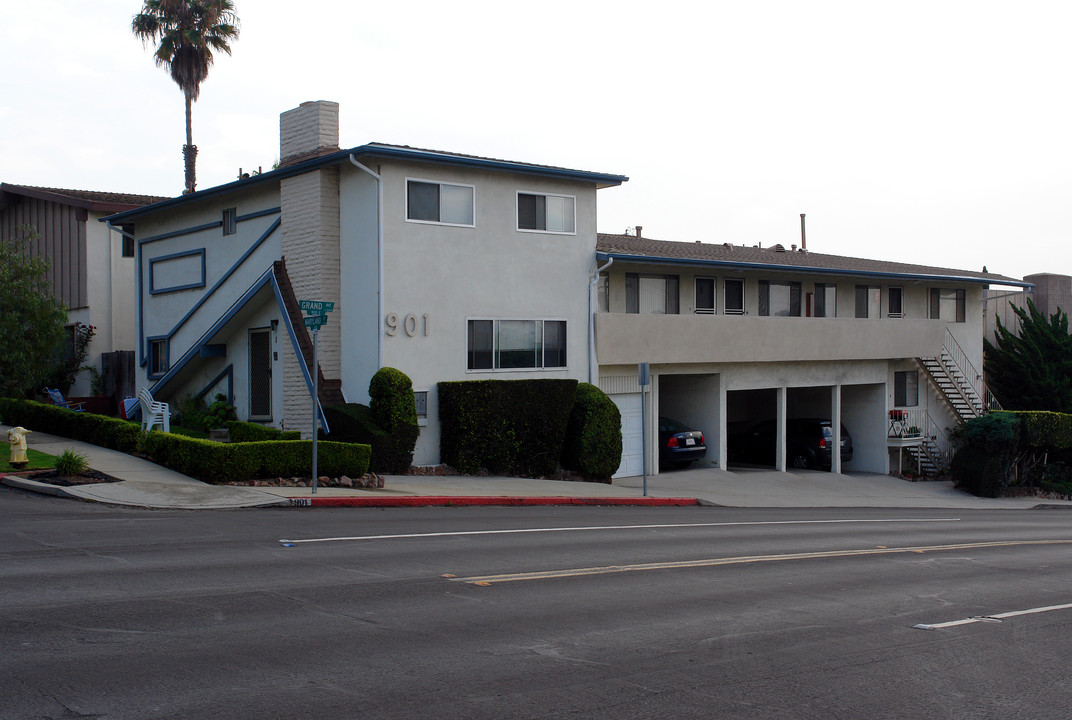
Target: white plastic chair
{"x": 153, "y": 412}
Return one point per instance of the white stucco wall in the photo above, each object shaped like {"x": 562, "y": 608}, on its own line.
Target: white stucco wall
{"x": 441, "y": 276}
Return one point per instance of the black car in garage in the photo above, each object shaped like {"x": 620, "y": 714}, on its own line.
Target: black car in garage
{"x": 807, "y": 443}
{"x": 679, "y": 444}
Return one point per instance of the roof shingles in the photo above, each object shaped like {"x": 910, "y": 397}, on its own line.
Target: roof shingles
{"x": 776, "y": 257}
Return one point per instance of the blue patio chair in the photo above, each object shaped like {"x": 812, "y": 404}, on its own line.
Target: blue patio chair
{"x": 58, "y": 399}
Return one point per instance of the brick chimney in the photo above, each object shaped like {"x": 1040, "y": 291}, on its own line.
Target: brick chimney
{"x": 308, "y": 131}
{"x": 310, "y": 238}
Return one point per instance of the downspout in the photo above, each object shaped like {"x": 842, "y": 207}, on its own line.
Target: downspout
{"x": 379, "y": 258}
{"x": 592, "y": 322}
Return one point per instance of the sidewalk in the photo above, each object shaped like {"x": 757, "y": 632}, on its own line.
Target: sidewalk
{"x": 144, "y": 484}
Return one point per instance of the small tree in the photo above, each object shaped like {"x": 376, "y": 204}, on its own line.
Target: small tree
{"x": 394, "y": 411}
{"x": 33, "y": 320}
{"x": 1032, "y": 370}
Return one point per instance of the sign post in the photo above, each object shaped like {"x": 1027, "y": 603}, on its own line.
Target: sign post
{"x": 316, "y": 319}
{"x": 644, "y": 379}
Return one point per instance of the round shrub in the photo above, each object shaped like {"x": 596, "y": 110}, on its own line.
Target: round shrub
{"x": 593, "y": 434}
{"x": 393, "y": 410}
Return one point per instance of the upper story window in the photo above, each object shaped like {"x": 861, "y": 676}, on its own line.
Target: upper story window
{"x": 948, "y": 305}
{"x": 825, "y": 300}
{"x": 705, "y": 296}
{"x": 734, "y": 295}
{"x": 546, "y": 213}
{"x": 868, "y": 301}
{"x": 779, "y": 299}
{"x": 230, "y": 221}
{"x": 444, "y": 203}
{"x": 895, "y": 300}
{"x": 516, "y": 344}
{"x": 652, "y": 294}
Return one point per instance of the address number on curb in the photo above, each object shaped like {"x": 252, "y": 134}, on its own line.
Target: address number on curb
{"x": 301, "y": 502}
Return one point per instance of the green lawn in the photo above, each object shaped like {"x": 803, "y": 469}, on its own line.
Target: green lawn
{"x": 38, "y": 461}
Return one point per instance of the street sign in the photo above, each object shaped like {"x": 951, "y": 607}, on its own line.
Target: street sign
{"x": 317, "y": 307}
{"x": 315, "y": 322}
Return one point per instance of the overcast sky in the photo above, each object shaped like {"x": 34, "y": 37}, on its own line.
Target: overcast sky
{"x": 932, "y": 132}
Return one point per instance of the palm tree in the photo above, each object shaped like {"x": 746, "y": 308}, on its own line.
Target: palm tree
{"x": 189, "y": 32}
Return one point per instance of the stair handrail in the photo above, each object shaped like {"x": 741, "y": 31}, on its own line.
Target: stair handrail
{"x": 960, "y": 359}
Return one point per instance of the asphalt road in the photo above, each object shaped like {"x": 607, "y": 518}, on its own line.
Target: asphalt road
{"x": 532, "y": 613}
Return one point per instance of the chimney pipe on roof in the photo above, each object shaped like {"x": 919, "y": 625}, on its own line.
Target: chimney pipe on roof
{"x": 803, "y": 237}
{"x": 639, "y": 231}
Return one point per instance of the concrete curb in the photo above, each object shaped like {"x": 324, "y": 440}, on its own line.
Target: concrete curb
{"x": 473, "y": 501}
{"x": 34, "y": 486}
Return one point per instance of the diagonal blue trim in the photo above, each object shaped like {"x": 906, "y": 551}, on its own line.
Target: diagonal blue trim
{"x": 141, "y": 281}
{"x": 655, "y": 260}
{"x": 195, "y": 348}
{"x": 229, "y": 373}
{"x": 297, "y": 348}
{"x": 177, "y": 233}
{"x": 226, "y": 276}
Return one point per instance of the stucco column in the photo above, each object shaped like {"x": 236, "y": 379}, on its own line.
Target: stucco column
{"x": 780, "y": 444}
{"x": 835, "y": 427}
{"x": 723, "y": 435}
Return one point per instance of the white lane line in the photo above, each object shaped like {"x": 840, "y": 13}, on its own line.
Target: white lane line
{"x": 612, "y": 527}
{"x": 992, "y": 618}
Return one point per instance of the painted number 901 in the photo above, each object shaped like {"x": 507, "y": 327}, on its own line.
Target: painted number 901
{"x": 409, "y": 324}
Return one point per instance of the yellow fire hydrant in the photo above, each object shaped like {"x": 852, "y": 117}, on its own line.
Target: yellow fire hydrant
{"x": 16, "y": 436}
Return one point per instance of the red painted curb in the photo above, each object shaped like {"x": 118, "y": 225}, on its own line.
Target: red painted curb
{"x": 471, "y": 501}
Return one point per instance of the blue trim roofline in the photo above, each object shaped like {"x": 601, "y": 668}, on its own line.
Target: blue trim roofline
{"x": 656, "y": 260}
{"x": 371, "y": 150}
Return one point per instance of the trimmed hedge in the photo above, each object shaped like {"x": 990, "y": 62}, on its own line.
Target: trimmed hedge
{"x": 225, "y": 462}
{"x": 593, "y": 444}
{"x": 388, "y": 423}
{"x": 241, "y": 431}
{"x": 507, "y": 427}
{"x": 109, "y": 432}
{"x": 203, "y": 459}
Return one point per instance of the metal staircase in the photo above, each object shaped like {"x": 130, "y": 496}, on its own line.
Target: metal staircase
{"x": 958, "y": 382}
{"x": 961, "y": 386}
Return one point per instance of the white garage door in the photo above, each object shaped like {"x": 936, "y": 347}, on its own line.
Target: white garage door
{"x": 632, "y": 445}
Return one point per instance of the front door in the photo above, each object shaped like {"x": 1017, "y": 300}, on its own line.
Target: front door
{"x": 260, "y": 375}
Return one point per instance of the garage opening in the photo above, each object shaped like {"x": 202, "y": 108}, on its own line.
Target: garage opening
{"x": 688, "y": 403}
{"x": 750, "y": 425}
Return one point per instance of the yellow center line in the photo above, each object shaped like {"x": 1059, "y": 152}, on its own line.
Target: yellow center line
{"x": 712, "y": 562}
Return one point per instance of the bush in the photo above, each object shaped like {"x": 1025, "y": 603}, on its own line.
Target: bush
{"x": 394, "y": 411}
{"x": 593, "y": 444}
{"x": 109, "y": 432}
{"x": 203, "y": 459}
{"x": 353, "y": 423}
{"x": 388, "y": 423}
{"x": 238, "y": 462}
{"x": 986, "y": 452}
{"x": 241, "y": 431}
{"x": 507, "y": 427}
